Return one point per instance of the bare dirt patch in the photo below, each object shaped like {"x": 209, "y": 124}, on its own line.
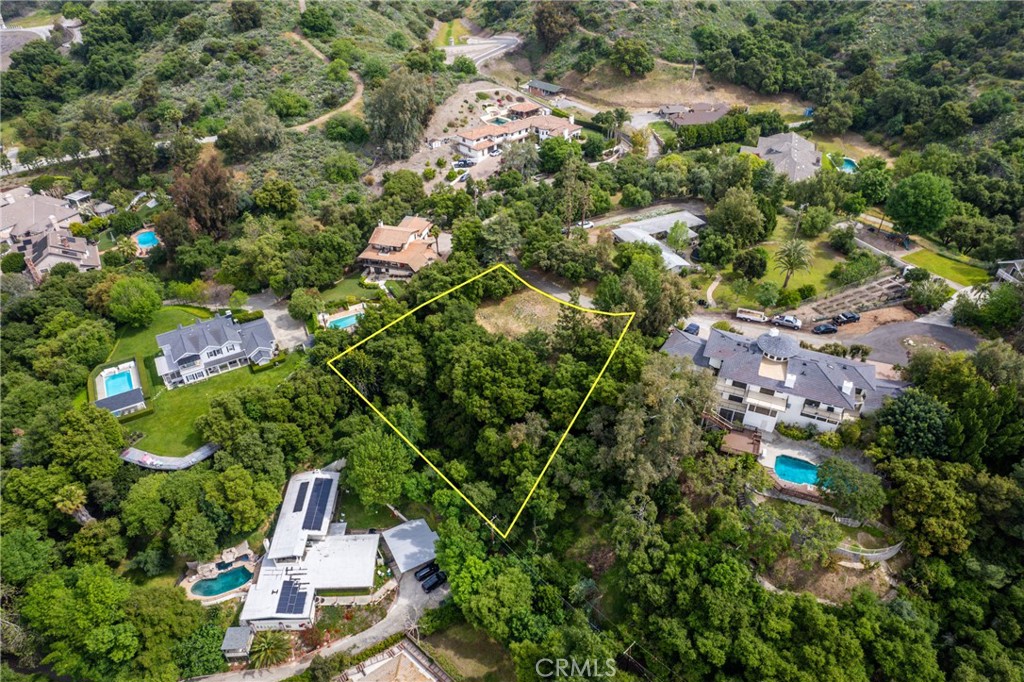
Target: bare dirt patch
{"x": 870, "y": 319}
{"x": 834, "y": 584}
{"x": 519, "y": 313}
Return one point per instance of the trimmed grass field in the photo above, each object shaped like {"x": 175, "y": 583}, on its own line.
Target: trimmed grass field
{"x": 472, "y": 653}
{"x": 350, "y": 287}
{"x": 943, "y": 266}
{"x": 360, "y": 517}
{"x": 132, "y": 342}
{"x": 170, "y": 429}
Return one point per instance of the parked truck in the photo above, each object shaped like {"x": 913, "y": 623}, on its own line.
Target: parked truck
{"x": 750, "y": 315}
{"x": 787, "y": 321}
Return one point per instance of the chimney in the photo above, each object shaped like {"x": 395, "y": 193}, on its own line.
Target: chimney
{"x": 52, "y": 220}
{"x": 572, "y": 119}
{"x": 790, "y": 380}
{"x": 848, "y": 387}
{"x": 773, "y": 332}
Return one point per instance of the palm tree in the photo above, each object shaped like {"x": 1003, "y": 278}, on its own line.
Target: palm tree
{"x": 71, "y": 500}
{"x": 270, "y": 647}
{"x": 792, "y": 256}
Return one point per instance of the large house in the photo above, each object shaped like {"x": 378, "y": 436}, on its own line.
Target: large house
{"x": 478, "y": 142}
{"x": 307, "y": 553}
{"x": 654, "y": 230}
{"x": 210, "y": 347}
{"x": 794, "y": 156}
{"x": 36, "y": 225}
{"x": 399, "y": 251}
{"x": 698, "y": 113}
{"x": 771, "y": 378}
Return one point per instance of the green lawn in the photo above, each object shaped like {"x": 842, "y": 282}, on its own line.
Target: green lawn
{"x": 350, "y": 287}
{"x": 663, "y": 129}
{"x": 359, "y": 516}
{"x": 34, "y": 20}
{"x": 824, "y": 258}
{"x": 132, "y": 342}
{"x": 170, "y": 429}
{"x": 477, "y": 657}
{"x": 105, "y": 240}
{"x": 957, "y": 271}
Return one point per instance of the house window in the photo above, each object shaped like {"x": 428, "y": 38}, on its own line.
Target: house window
{"x": 231, "y": 347}
{"x": 214, "y": 353}
{"x": 766, "y": 391}
{"x": 739, "y": 384}
{"x": 812, "y": 403}
{"x": 735, "y": 398}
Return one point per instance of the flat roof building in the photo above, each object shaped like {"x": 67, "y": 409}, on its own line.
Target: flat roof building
{"x": 411, "y": 544}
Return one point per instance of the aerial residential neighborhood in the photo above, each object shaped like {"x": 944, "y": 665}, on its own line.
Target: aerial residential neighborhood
{"x": 474, "y": 341}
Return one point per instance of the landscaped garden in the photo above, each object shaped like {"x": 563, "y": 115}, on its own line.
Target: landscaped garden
{"x": 954, "y": 270}
{"x": 349, "y": 287}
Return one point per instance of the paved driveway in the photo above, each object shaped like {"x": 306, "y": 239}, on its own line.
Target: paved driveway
{"x": 412, "y": 602}
{"x": 288, "y": 332}
{"x": 887, "y": 341}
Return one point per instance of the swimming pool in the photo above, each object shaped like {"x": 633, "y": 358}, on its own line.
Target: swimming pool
{"x": 118, "y": 383}
{"x": 796, "y": 470}
{"x": 501, "y": 120}
{"x": 147, "y": 239}
{"x": 343, "y": 322}
{"x": 849, "y": 165}
{"x": 225, "y": 582}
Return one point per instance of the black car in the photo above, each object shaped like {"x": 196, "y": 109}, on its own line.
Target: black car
{"x": 846, "y": 318}
{"x": 427, "y": 571}
{"x": 464, "y": 163}
{"x": 693, "y": 328}
{"x": 825, "y": 329}
{"x": 435, "y": 581}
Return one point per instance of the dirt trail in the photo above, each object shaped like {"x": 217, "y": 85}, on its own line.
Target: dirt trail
{"x": 357, "y": 97}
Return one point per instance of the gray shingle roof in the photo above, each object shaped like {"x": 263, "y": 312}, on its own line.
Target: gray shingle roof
{"x": 183, "y": 342}
{"x": 778, "y": 345}
{"x": 541, "y": 85}
{"x": 121, "y": 400}
{"x": 792, "y": 155}
{"x": 817, "y": 376}
{"x": 236, "y": 639}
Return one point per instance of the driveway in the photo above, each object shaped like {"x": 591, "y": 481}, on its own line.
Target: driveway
{"x": 289, "y": 333}
{"x": 551, "y": 284}
{"x": 887, "y": 341}
{"x": 411, "y": 603}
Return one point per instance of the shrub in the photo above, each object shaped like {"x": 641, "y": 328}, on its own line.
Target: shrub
{"x": 830, "y": 440}
{"x": 724, "y": 326}
{"x": 849, "y": 432}
{"x": 795, "y": 431}
{"x": 13, "y": 262}
{"x": 767, "y": 294}
{"x": 347, "y": 127}
{"x": 916, "y": 275}
{"x": 286, "y": 103}
{"x": 429, "y": 174}
{"x": 342, "y": 167}
{"x": 788, "y": 298}
{"x": 807, "y": 291}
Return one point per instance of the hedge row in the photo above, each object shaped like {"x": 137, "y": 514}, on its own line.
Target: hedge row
{"x": 137, "y": 415}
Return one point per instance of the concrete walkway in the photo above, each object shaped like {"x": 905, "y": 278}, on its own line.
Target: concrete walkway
{"x": 148, "y": 460}
{"x": 710, "y": 296}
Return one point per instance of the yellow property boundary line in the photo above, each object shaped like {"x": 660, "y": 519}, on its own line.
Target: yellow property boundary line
{"x": 500, "y": 266}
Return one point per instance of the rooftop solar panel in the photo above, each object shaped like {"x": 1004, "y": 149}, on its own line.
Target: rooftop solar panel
{"x": 317, "y": 507}
{"x": 292, "y": 600}
{"x": 300, "y": 499}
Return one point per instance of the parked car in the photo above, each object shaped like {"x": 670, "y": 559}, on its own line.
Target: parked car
{"x": 495, "y": 152}
{"x": 845, "y": 317}
{"x": 787, "y": 321}
{"x": 435, "y": 581}
{"x": 462, "y": 178}
{"x": 427, "y": 571}
{"x": 464, "y": 163}
{"x": 693, "y": 328}
{"x": 825, "y": 329}
{"x": 585, "y": 224}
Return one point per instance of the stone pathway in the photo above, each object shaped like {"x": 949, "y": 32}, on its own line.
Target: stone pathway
{"x": 710, "y": 296}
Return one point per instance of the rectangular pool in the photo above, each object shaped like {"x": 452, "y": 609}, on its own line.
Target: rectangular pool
{"x": 343, "y": 322}
{"x": 796, "y": 470}
{"x": 118, "y": 383}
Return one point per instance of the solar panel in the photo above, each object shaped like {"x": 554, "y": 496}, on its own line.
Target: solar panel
{"x": 317, "y": 507}
{"x": 291, "y": 600}
{"x": 301, "y": 498}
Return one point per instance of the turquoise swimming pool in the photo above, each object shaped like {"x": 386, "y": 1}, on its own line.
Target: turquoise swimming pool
{"x": 796, "y": 470}
{"x": 118, "y": 383}
{"x": 147, "y": 239}
{"x": 343, "y": 322}
{"x": 225, "y": 582}
{"x": 849, "y": 165}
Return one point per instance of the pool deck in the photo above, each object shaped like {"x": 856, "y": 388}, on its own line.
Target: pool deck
{"x": 194, "y": 574}
{"x": 325, "y": 320}
{"x": 141, "y": 250}
{"x": 773, "y": 445}
{"x": 101, "y": 378}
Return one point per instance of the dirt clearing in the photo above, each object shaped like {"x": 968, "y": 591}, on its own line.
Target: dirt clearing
{"x": 834, "y": 584}
{"x": 519, "y": 313}
{"x": 871, "y": 319}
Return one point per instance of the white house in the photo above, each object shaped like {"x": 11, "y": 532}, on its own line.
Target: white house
{"x": 771, "y": 378}
{"x": 307, "y": 553}
{"x": 478, "y": 142}
{"x": 210, "y": 347}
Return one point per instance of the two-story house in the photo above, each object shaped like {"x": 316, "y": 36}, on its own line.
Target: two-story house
{"x": 399, "y": 251}
{"x": 763, "y": 381}
{"x": 210, "y": 347}
{"x": 36, "y": 226}
{"x": 478, "y": 142}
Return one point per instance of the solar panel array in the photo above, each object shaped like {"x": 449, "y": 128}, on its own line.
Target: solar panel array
{"x": 300, "y": 499}
{"x": 317, "y": 507}
{"x": 291, "y": 600}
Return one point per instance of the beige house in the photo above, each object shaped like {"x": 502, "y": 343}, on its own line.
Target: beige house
{"x": 478, "y": 142}
{"x": 36, "y": 226}
{"x": 794, "y": 156}
{"x": 399, "y": 251}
